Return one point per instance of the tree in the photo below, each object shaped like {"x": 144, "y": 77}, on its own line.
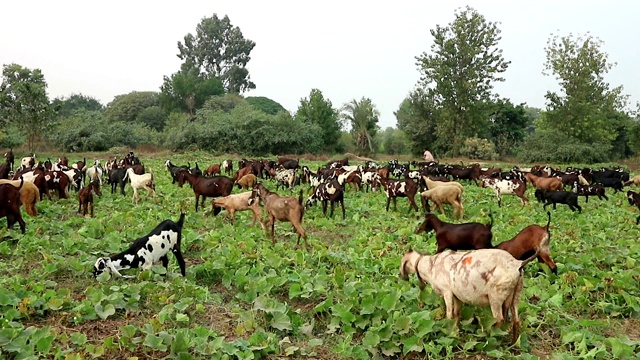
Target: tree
{"x": 188, "y": 89}
{"x": 265, "y": 104}
{"x": 24, "y": 101}
{"x": 458, "y": 74}
{"x": 66, "y": 106}
{"x": 153, "y": 116}
{"x": 417, "y": 116}
{"x": 394, "y": 141}
{"x": 586, "y": 109}
{"x": 318, "y": 110}
{"x": 362, "y": 116}
{"x": 219, "y": 50}
{"x": 127, "y": 107}
{"x": 508, "y": 126}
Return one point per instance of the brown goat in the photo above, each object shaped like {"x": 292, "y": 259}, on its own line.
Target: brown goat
{"x": 85, "y": 197}
{"x": 545, "y": 183}
{"x": 29, "y": 195}
{"x": 400, "y": 188}
{"x": 247, "y": 181}
{"x": 213, "y": 170}
{"x": 10, "y": 205}
{"x": 467, "y": 236}
{"x": 281, "y": 208}
{"x": 531, "y": 240}
{"x": 241, "y": 172}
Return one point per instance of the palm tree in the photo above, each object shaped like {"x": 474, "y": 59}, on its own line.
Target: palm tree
{"x": 363, "y": 118}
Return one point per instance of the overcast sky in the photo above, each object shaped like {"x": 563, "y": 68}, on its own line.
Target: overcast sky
{"x": 347, "y": 49}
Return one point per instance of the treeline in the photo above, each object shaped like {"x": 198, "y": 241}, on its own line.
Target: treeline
{"x": 452, "y": 111}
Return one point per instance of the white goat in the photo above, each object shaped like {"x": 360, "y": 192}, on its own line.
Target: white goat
{"x": 482, "y": 277}
{"x": 144, "y": 181}
{"x": 95, "y": 172}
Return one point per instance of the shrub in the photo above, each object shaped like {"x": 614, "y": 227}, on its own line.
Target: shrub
{"x": 477, "y": 148}
{"x": 553, "y": 147}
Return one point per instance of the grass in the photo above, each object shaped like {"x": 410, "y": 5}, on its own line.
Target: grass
{"x": 246, "y": 298}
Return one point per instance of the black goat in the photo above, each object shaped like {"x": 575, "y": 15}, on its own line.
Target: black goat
{"x": 590, "y": 190}
{"x": 558, "y": 197}
{"x": 115, "y": 178}
{"x": 634, "y": 199}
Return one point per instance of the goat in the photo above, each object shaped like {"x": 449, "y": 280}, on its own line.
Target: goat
{"x": 95, "y": 172}
{"x": 58, "y": 180}
{"x": 207, "y": 187}
{"x": 29, "y": 194}
{"x": 37, "y": 178}
{"x": 371, "y": 179}
{"x": 147, "y": 250}
{"x": 400, "y": 188}
{"x": 558, "y": 197}
{"x": 506, "y": 187}
{"x": 175, "y": 170}
{"x": 634, "y": 199}
{"x": 247, "y": 181}
{"x": 328, "y": 192}
{"x": 28, "y": 162}
{"x": 545, "y": 183}
{"x": 10, "y": 205}
{"x": 10, "y": 158}
{"x": 590, "y": 190}
{"x": 466, "y": 236}
{"x": 485, "y": 277}
{"x": 615, "y": 183}
{"x": 227, "y": 165}
{"x": 281, "y": 208}
{"x": 85, "y": 197}
{"x": 633, "y": 181}
{"x": 431, "y": 184}
{"x": 117, "y": 177}
{"x": 441, "y": 195}
{"x": 238, "y": 202}
{"x": 144, "y": 181}
{"x": 213, "y": 170}
{"x": 285, "y": 178}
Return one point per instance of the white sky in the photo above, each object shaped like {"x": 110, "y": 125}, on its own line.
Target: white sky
{"x": 347, "y": 49}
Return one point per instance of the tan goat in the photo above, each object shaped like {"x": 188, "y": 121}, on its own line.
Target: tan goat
{"x": 238, "y": 202}
{"x": 29, "y": 195}
{"x": 441, "y": 195}
{"x": 247, "y": 181}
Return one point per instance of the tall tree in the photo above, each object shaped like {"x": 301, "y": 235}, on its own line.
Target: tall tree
{"x": 24, "y": 101}
{"x": 66, "y": 106}
{"x": 417, "y": 116}
{"x": 317, "y": 110}
{"x": 127, "y": 107}
{"x": 362, "y": 116}
{"x": 188, "y": 89}
{"x": 218, "y": 49}
{"x": 587, "y": 108}
{"x": 508, "y": 126}
{"x": 458, "y": 75}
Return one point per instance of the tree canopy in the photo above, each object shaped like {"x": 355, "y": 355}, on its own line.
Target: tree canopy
{"x": 457, "y": 76}
{"x": 265, "y": 104}
{"x": 218, "y": 49}
{"x": 317, "y": 110}
{"x": 65, "y": 106}
{"x": 127, "y": 107}
{"x": 188, "y": 89}
{"x": 362, "y": 116}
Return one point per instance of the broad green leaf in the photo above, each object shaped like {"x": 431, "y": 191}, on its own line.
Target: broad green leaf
{"x": 106, "y": 311}
{"x": 281, "y": 321}
{"x": 371, "y": 339}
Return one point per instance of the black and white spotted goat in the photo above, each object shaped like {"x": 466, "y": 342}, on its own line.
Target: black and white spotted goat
{"x": 331, "y": 192}
{"x": 147, "y": 250}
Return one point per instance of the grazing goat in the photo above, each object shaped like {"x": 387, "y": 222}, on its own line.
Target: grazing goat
{"x": 467, "y": 236}
{"x": 400, "y": 188}
{"x": 486, "y": 277}
{"x": 634, "y": 199}
{"x": 441, "y": 195}
{"x": 506, "y": 187}
{"x": 144, "y": 181}
{"x": 545, "y": 183}
{"x": 117, "y": 177}
{"x": 207, "y": 187}
{"x": 238, "y": 202}
{"x": 280, "y": 208}
{"x": 175, "y": 170}
{"x": 371, "y": 179}
{"x": 558, "y": 197}
{"x": 10, "y": 205}
{"x": 95, "y": 172}
{"x": 328, "y": 192}
{"x": 85, "y": 197}
{"x": 285, "y": 178}
{"x": 147, "y": 250}
{"x": 247, "y": 181}
{"x": 590, "y": 190}
{"x": 58, "y": 180}
{"x": 227, "y": 165}
{"x": 534, "y": 239}
{"x": 213, "y": 170}
{"x": 633, "y": 181}
{"x": 615, "y": 183}
{"x": 29, "y": 194}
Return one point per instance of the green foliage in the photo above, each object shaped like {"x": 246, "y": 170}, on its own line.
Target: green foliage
{"x": 154, "y": 117}
{"x": 555, "y": 147}
{"x": 587, "y": 109}
{"x": 362, "y": 117}
{"x": 188, "y": 89}
{"x": 476, "y": 148}
{"x": 318, "y": 110}
{"x": 219, "y": 50}
{"x": 11, "y": 137}
{"x": 265, "y": 104}
{"x": 66, "y": 106}
{"x": 417, "y": 117}
{"x": 394, "y": 141}
{"x": 24, "y": 101}
{"x": 508, "y": 126}
{"x": 457, "y": 76}
{"x": 127, "y": 107}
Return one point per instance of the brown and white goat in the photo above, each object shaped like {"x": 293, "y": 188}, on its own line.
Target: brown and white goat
{"x": 400, "y": 188}
{"x": 238, "y": 202}
{"x": 506, "y": 187}
{"x": 634, "y": 200}
{"x": 466, "y": 236}
{"x": 85, "y": 197}
{"x": 485, "y": 277}
{"x": 29, "y": 194}
{"x": 280, "y": 208}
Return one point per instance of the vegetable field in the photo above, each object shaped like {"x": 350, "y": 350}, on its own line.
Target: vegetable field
{"x": 244, "y": 298}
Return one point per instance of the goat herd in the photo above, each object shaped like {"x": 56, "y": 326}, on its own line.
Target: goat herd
{"x": 485, "y": 276}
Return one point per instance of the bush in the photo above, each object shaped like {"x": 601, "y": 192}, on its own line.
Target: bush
{"x": 476, "y": 148}
{"x": 553, "y": 147}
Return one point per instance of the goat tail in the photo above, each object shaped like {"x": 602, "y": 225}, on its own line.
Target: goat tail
{"x": 181, "y": 220}
{"x": 300, "y": 197}
{"x": 528, "y": 260}
{"x": 21, "y": 182}
{"x": 490, "y": 224}
{"x": 548, "y": 222}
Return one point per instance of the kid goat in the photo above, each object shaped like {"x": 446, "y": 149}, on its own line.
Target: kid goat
{"x": 85, "y": 197}
{"x": 147, "y": 250}
{"x": 144, "y": 181}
